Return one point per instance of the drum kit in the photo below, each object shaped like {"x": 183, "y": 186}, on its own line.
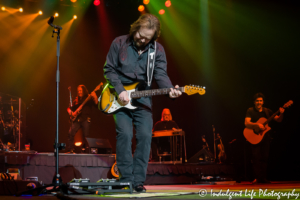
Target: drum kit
{"x": 9, "y": 125}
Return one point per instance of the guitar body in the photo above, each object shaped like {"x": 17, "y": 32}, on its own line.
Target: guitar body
{"x": 75, "y": 115}
{"x": 255, "y": 137}
{"x": 109, "y": 102}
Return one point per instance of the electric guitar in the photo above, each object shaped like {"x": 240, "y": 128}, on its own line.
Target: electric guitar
{"x": 77, "y": 112}
{"x": 109, "y": 102}
{"x": 256, "y": 136}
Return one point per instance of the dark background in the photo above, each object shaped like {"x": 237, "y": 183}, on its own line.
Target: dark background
{"x": 254, "y": 47}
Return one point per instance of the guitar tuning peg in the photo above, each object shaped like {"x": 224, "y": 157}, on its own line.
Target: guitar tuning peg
{"x": 204, "y": 87}
{"x": 193, "y": 85}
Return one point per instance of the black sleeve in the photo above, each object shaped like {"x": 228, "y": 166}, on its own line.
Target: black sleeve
{"x": 110, "y": 72}
{"x": 156, "y": 126}
{"x": 249, "y": 112}
{"x": 160, "y": 70}
{"x": 175, "y": 125}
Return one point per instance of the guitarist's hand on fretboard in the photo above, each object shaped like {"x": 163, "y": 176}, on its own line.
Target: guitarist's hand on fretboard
{"x": 175, "y": 93}
{"x": 281, "y": 110}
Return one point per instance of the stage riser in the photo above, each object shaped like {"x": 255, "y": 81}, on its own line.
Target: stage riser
{"x": 99, "y": 166}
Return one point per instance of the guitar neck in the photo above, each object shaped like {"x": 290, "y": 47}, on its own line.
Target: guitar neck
{"x": 155, "y": 92}
{"x": 272, "y": 117}
{"x": 84, "y": 102}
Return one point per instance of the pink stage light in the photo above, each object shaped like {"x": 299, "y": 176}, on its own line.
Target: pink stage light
{"x": 96, "y": 2}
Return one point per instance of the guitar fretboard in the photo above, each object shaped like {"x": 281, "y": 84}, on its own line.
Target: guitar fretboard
{"x": 155, "y": 92}
{"x": 290, "y": 102}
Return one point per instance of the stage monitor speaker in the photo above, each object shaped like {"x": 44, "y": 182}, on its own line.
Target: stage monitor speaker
{"x": 99, "y": 146}
{"x": 202, "y": 156}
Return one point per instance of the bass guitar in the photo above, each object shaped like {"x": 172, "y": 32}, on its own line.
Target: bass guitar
{"x": 256, "y": 136}
{"x": 77, "y": 112}
{"x": 109, "y": 102}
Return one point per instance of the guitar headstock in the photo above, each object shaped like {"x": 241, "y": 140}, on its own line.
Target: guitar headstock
{"x": 98, "y": 87}
{"x": 193, "y": 89}
{"x": 288, "y": 104}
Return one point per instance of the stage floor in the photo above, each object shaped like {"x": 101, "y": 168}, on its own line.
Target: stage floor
{"x": 244, "y": 190}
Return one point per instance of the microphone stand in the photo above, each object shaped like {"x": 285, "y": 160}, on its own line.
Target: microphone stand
{"x": 57, "y": 181}
{"x": 215, "y": 149}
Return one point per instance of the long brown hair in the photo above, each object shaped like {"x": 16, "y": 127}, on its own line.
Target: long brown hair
{"x": 84, "y": 90}
{"x": 148, "y": 21}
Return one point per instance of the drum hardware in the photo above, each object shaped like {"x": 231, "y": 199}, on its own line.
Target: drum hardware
{"x": 9, "y": 125}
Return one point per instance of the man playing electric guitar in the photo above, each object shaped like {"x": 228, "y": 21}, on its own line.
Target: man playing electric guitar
{"x": 80, "y": 118}
{"x": 260, "y": 151}
{"x": 131, "y": 58}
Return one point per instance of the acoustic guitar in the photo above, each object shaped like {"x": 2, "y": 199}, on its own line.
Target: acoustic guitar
{"x": 256, "y": 136}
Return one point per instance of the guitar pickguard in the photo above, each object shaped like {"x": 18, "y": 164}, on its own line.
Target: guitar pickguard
{"x": 115, "y": 106}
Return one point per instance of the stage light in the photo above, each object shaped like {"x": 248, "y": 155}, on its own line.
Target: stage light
{"x": 168, "y": 3}
{"x": 40, "y": 12}
{"x": 75, "y": 17}
{"x": 21, "y": 9}
{"x": 96, "y": 2}
{"x": 3, "y": 8}
{"x": 73, "y": 1}
{"x": 146, "y": 2}
{"x": 141, "y": 8}
{"x": 56, "y": 15}
{"x": 161, "y": 12}
{"x": 78, "y": 144}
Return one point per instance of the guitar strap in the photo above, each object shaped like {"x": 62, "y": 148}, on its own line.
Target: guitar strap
{"x": 151, "y": 63}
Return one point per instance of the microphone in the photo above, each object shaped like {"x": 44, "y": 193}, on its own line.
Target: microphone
{"x": 50, "y": 22}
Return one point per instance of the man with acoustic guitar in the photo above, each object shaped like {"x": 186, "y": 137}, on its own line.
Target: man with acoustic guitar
{"x": 135, "y": 58}
{"x": 80, "y": 116}
{"x": 256, "y": 121}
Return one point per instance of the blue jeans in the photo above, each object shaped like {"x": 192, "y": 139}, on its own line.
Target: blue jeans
{"x": 85, "y": 126}
{"x": 133, "y": 168}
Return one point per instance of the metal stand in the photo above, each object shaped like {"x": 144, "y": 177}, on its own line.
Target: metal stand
{"x": 176, "y": 155}
{"x": 57, "y": 184}
{"x": 57, "y": 146}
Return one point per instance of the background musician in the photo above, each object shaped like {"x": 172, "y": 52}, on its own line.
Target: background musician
{"x": 162, "y": 144}
{"x": 260, "y": 151}
{"x": 83, "y": 120}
